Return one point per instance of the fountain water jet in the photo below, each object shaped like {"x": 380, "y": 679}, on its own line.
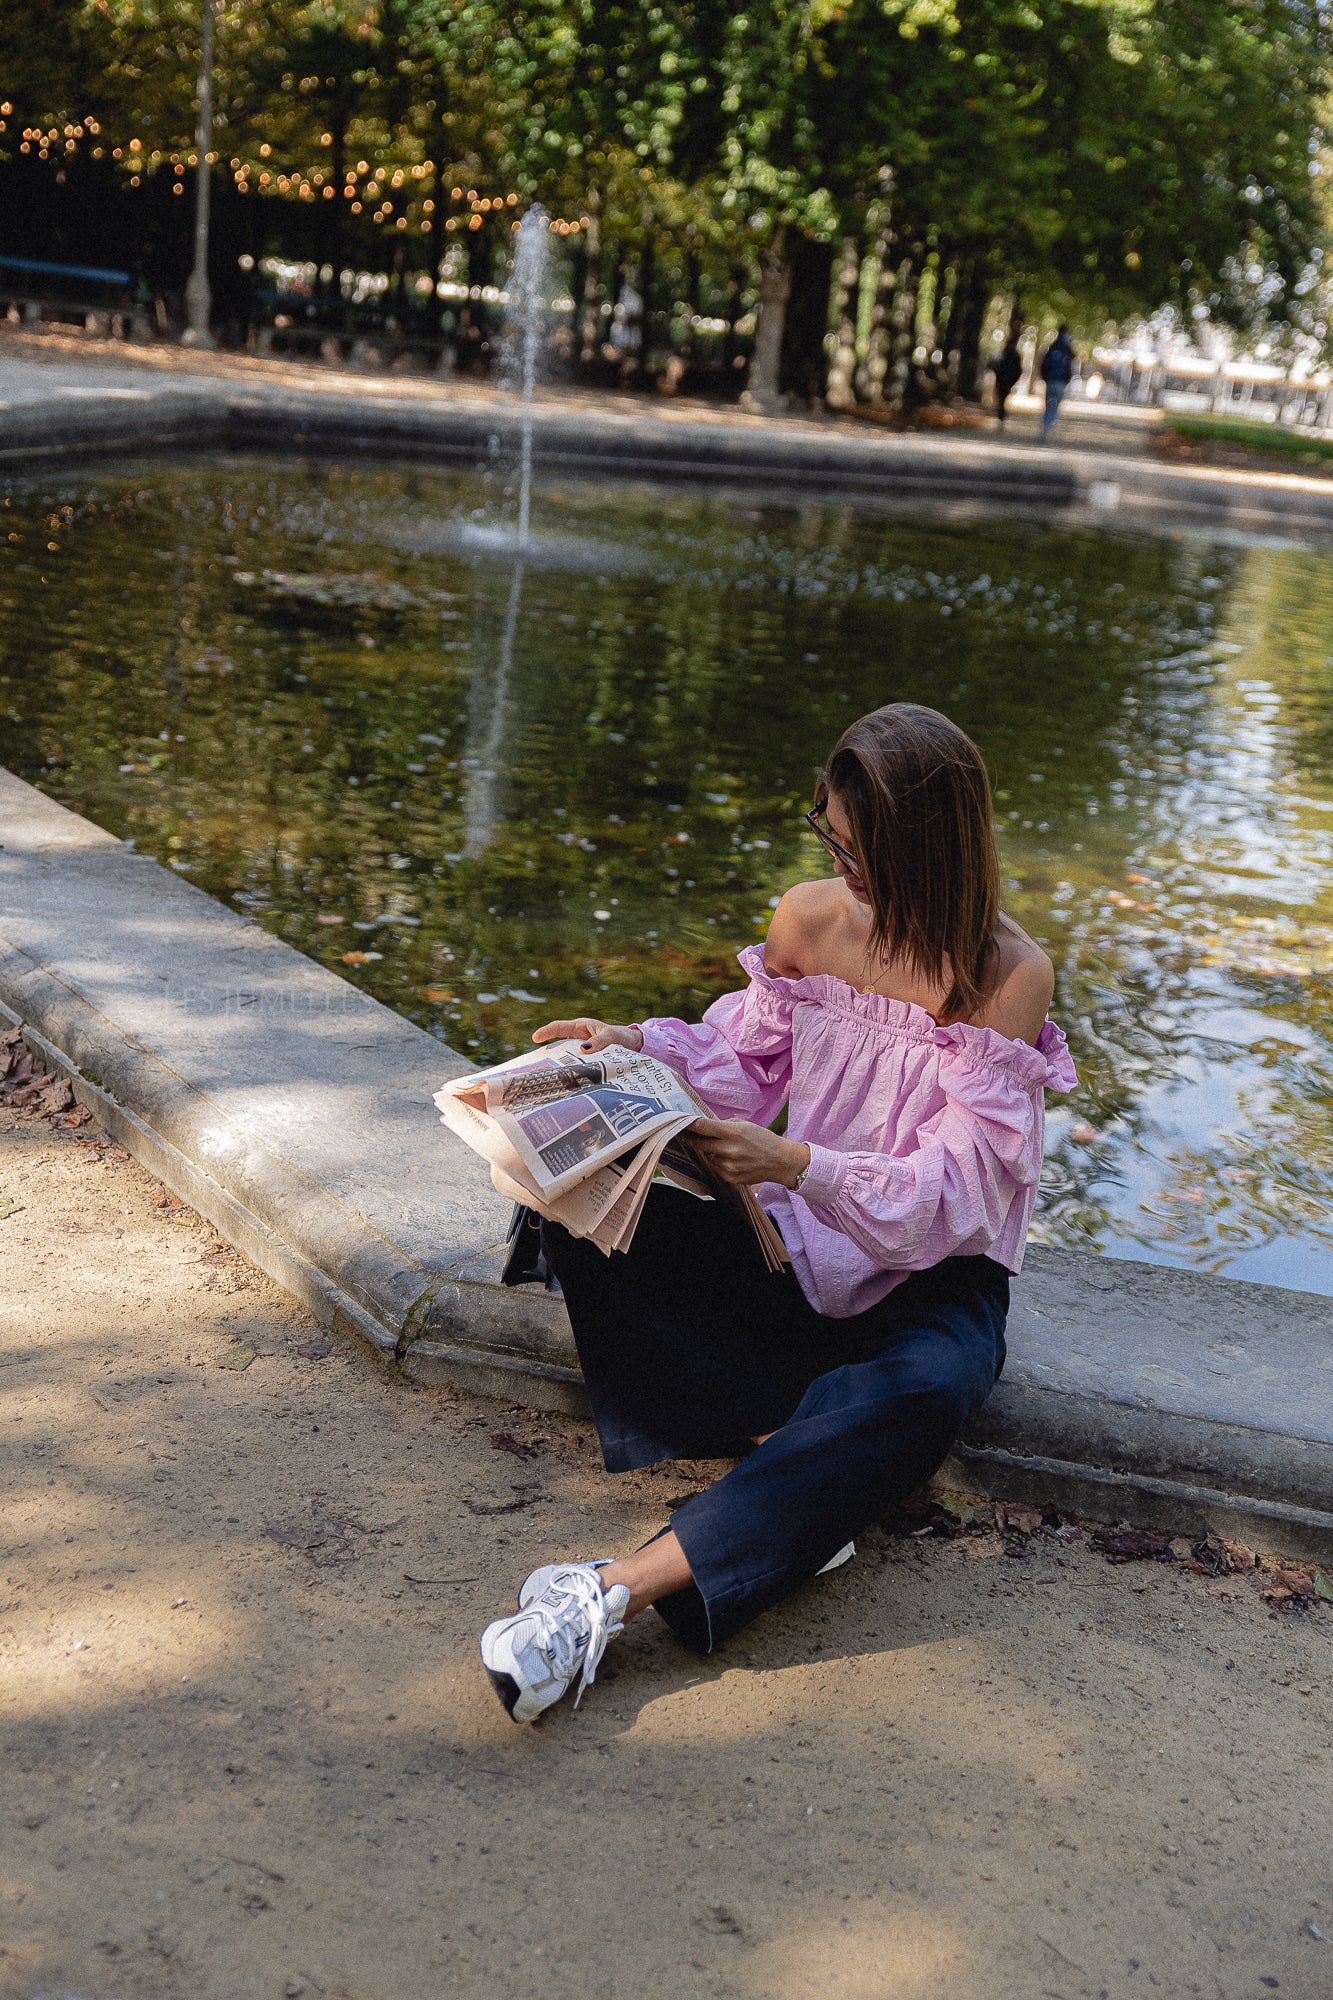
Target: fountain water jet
{"x": 518, "y": 370}
{"x": 527, "y": 302}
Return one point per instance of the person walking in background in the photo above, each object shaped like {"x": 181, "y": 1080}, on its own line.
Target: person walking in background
{"x": 1007, "y": 367}
{"x": 1057, "y": 368}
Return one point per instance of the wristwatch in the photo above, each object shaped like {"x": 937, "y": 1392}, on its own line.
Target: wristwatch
{"x": 801, "y": 1177}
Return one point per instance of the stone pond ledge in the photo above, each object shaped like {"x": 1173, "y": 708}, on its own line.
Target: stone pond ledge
{"x": 54, "y": 422}
{"x": 294, "y": 1112}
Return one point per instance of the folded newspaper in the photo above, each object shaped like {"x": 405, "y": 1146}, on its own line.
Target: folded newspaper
{"x": 581, "y": 1139}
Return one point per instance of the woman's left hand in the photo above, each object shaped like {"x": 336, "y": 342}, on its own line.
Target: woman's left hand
{"x": 746, "y": 1154}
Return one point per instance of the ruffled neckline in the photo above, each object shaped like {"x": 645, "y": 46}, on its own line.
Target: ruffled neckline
{"x": 1048, "y": 1062}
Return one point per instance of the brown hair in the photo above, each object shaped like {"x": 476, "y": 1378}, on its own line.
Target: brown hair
{"x": 918, "y": 803}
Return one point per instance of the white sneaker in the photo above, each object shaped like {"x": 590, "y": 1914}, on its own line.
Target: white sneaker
{"x": 560, "y": 1633}
{"x": 536, "y": 1580}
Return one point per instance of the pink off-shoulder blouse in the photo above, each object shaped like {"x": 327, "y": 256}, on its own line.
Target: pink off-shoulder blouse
{"x": 925, "y": 1142}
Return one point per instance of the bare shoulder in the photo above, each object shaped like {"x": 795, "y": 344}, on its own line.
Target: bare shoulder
{"x": 804, "y": 920}
{"x": 1023, "y": 985}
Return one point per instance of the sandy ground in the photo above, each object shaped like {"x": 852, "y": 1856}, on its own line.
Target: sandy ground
{"x": 235, "y": 1766}
{"x": 32, "y": 363}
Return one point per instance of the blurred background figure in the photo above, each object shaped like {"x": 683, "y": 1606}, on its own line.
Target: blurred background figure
{"x": 1057, "y": 368}
{"x": 1006, "y": 368}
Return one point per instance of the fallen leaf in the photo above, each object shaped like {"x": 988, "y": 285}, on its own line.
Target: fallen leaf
{"x": 1130, "y": 1544}
{"x": 8, "y": 1208}
{"x": 314, "y": 1350}
{"x": 1240, "y": 1556}
{"x": 502, "y": 1441}
{"x": 436, "y": 994}
{"x": 239, "y": 1356}
{"x": 1181, "y": 1548}
{"x": 1322, "y": 1587}
{"x": 322, "y": 919}
{"x": 1013, "y": 1519}
{"x": 361, "y": 957}
{"x": 1211, "y": 1557}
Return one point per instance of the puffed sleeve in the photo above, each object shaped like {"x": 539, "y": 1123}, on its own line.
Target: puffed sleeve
{"x": 950, "y": 1195}
{"x": 738, "y": 1058}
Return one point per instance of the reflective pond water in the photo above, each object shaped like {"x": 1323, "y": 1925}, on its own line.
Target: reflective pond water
{"x": 490, "y": 795}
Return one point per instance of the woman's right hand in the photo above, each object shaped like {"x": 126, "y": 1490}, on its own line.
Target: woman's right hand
{"x": 591, "y": 1034}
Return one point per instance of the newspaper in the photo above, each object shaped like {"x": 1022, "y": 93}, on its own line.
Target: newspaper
{"x": 581, "y": 1139}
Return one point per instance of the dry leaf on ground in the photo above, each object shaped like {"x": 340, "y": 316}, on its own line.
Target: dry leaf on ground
{"x": 1122, "y": 1545}
{"x": 502, "y": 1441}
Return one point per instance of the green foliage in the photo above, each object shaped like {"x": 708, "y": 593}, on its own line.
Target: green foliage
{"x": 1253, "y": 436}
{"x": 1105, "y": 156}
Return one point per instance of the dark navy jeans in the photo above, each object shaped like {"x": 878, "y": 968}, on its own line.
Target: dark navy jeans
{"x": 690, "y": 1347}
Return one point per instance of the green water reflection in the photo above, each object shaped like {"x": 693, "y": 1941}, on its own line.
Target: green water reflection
{"x": 508, "y": 796}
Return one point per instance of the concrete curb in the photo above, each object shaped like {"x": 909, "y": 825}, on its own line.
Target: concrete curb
{"x": 828, "y": 456}
{"x": 294, "y": 1113}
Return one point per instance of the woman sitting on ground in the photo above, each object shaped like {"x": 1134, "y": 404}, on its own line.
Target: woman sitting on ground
{"x": 901, "y": 1018}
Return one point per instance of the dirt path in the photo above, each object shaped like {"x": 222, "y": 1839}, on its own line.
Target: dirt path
{"x": 236, "y": 1765}
{"x": 80, "y": 359}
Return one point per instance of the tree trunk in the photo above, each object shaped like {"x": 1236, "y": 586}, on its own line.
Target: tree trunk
{"x": 874, "y": 371}
{"x": 590, "y": 314}
{"x": 647, "y": 287}
{"x": 841, "y": 391}
{"x": 578, "y": 278}
{"x": 331, "y": 212}
{"x": 762, "y": 389}
{"x": 951, "y": 340}
{"x": 968, "y": 376}
{"x": 903, "y": 339}
{"x": 1030, "y": 346}
{"x": 689, "y": 345}
{"x": 803, "y": 355}
{"x": 735, "y": 294}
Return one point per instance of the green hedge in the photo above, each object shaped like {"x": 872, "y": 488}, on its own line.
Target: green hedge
{"x": 1242, "y": 431}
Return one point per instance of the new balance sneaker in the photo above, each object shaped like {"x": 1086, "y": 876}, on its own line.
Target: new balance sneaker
{"x": 559, "y": 1635}
{"x": 536, "y": 1580}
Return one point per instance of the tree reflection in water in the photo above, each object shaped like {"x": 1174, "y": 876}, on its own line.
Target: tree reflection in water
{"x": 580, "y": 782}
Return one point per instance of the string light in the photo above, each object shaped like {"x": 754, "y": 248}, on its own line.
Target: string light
{"x": 382, "y": 182}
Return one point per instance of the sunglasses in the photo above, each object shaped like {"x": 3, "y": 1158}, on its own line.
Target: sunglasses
{"x": 835, "y": 847}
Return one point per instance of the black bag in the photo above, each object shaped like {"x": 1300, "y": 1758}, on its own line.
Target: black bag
{"x": 525, "y": 1264}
